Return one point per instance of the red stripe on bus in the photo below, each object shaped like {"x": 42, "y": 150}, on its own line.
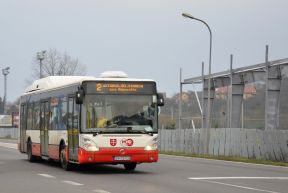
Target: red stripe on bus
{"x": 106, "y": 155}
{"x": 67, "y": 153}
{"x": 36, "y": 149}
{"x": 53, "y": 151}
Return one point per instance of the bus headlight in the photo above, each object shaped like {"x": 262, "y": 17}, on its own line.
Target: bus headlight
{"x": 88, "y": 144}
{"x": 151, "y": 147}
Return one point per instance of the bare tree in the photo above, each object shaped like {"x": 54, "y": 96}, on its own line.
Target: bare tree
{"x": 56, "y": 63}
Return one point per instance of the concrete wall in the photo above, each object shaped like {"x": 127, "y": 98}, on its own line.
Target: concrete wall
{"x": 9, "y": 133}
{"x": 248, "y": 143}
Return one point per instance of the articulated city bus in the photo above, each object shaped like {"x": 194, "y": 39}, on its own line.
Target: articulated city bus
{"x": 85, "y": 120}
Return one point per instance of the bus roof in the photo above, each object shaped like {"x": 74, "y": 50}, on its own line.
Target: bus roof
{"x": 54, "y": 82}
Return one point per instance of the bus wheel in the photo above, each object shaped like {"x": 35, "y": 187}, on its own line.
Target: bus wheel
{"x": 31, "y": 157}
{"x": 130, "y": 166}
{"x": 64, "y": 163}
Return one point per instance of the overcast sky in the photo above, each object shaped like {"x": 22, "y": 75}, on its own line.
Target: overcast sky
{"x": 144, "y": 38}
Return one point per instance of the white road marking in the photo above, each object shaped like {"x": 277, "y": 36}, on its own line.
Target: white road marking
{"x": 46, "y": 175}
{"x": 101, "y": 191}
{"x": 67, "y": 182}
{"x": 9, "y": 145}
{"x": 73, "y": 183}
{"x": 242, "y": 187}
{"x": 238, "y": 178}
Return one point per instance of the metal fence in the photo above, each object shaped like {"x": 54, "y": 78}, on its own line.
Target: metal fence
{"x": 238, "y": 142}
{"x": 248, "y": 97}
{"x": 9, "y": 133}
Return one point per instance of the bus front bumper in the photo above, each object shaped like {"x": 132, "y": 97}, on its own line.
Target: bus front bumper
{"x": 117, "y": 156}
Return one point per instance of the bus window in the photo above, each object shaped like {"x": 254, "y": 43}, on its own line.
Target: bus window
{"x": 54, "y": 113}
{"x": 75, "y": 116}
{"x": 30, "y": 116}
{"x": 62, "y": 113}
{"x": 23, "y": 128}
{"x": 70, "y": 113}
{"x": 36, "y": 116}
{"x": 23, "y": 117}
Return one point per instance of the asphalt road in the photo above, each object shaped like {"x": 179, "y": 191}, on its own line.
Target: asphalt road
{"x": 170, "y": 175}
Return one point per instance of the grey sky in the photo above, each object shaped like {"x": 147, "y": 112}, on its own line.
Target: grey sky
{"x": 145, "y": 38}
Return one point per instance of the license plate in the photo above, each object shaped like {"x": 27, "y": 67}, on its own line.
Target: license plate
{"x": 122, "y": 158}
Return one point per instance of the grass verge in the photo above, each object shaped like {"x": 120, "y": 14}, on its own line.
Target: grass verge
{"x": 236, "y": 159}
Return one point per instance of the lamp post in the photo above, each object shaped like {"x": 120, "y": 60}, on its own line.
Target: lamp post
{"x": 40, "y": 57}
{"x": 5, "y": 72}
{"x": 209, "y": 73}
{"x": 209, "y": 77}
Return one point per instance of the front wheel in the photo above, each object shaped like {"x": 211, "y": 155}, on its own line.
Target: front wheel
{"x": 31, "y": 157}
{"x": 130, "y": 166}
{"x": 63, "y": 161}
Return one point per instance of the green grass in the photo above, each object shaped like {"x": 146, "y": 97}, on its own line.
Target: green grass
{"x": 228, "y": 158}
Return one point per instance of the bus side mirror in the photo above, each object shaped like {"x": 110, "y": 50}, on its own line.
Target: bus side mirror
{"x": 160, "y": 99}
{"x": 79, "y": 96}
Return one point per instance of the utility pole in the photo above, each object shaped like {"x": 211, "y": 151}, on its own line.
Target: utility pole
{"x": 40, "y": 57}
{"x": 5, "y": 72}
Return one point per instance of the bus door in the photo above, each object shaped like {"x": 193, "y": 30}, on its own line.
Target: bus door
{"x": 23, "y": 127}
{"x": 73, "y": 131}
{"x": 44, "y": 127}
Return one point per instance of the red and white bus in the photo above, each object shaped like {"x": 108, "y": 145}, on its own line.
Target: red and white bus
{"x": 86, "y": 120}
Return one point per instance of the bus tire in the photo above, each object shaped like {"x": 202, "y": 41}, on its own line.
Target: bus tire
{"x": 31, "y": 157}
{"x": 63, "y": 161}
{"x": 130, "y": 166}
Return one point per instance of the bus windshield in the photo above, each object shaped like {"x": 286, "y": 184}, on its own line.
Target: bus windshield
{"x": 119, "y": 114}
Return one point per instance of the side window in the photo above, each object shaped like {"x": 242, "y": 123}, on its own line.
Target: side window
{"x": 73, "y": 114}
{"x": 23, "y": 117}
{"x": 76, "y": 116}
{"x": 70, "y": 113}
{"x": 36, "y": 116}
{"x": 30, "y": 116}
{"x": 62, "y": 113}
{"x": 54, "y": 103}
{"x": 47, "y": 116}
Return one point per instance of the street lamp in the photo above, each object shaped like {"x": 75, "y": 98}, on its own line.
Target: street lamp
{"x": 209, "y": 81}
{"x": 209, "y": 74}
{"x": 5, "y": 72}
{"x": 40, "y": 57}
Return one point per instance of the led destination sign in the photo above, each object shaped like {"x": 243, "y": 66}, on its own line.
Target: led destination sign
{"x": 121, "y": 87}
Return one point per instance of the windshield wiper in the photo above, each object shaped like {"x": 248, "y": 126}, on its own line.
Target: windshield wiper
{"x": 126, "y": 129}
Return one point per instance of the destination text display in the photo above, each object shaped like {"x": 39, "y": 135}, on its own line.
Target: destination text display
{"x": 121, "y": 87}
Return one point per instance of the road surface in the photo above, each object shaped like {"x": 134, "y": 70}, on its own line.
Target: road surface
{"x": 170, "y": 175}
